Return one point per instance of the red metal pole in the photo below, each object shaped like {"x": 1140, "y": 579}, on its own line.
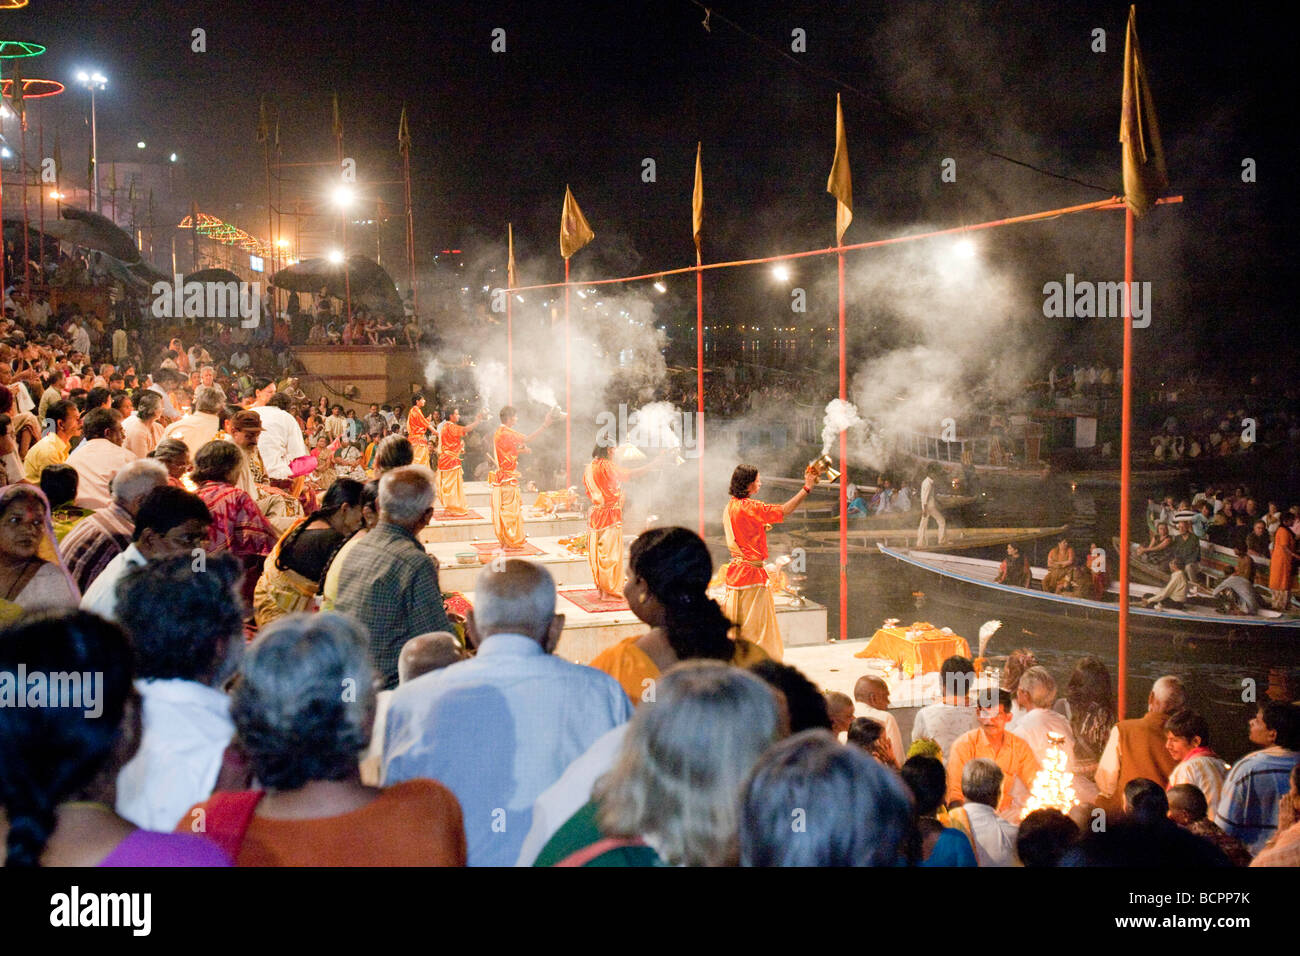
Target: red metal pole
{"x": 27, "y": 256}
{"x": 40, "y": 148}
{"x": 510, "y": 344}
{"x": 568, "y": 398}
{"x": 1124, "y": 451}
{"x": 699, "y": 380}
{"x": 844, "y": 477}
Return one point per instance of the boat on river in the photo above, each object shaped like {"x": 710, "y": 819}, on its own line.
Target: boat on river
{"x": 865, "y": 540}
{"x": 1200, "y": 618}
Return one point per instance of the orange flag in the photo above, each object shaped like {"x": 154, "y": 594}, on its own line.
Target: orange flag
{"x": 697, "y": 203}
{"x": 1145, "y": 177}
{"x": 511, "y": 280}
{"x": 840, "y": 183}
{"x": 574, "y": 231}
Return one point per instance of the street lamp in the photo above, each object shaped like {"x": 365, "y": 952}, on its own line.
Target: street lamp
{"x": 93, "y": 81}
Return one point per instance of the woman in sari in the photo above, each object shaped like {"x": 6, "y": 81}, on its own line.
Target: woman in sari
{"x": 32, "y": 575}
{"x": 326, "y": 473}
{"x": 668, "y": 577}
{"x": 238, "y": 525}
{"x": 175, "y": 454}
{"x": 296, "y": 565}
{"x": 1014, "y": 569}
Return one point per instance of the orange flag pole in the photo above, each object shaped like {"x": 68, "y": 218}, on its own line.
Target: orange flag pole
{"x": 1125, "y": 449}
{"x": 510, "y": 338}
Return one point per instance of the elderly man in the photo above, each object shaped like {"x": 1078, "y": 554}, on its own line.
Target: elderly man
{"x": 421, "y": 655}
{"x": 99, "y": 457}
{"x": 1036, "y": 693}
{"x": 1136, "y": 747}
{"x": 97, "y": 540}
{"x": 387, "y": 581}
{"x": 501, "y": 728}
{"x": 993, "y": 838}
{"x": 53, "y": 448}
{"x": 201, "y": 425}
{"x": 182, "y": 662}
{"x": 144, "y": 430}
{"x": 839, "y": 707}
{"x": 279, "y": 507}
{"x": 872, "y": 694}
{"x": 1009, "y": 751}
{"x": 164, "y": 380}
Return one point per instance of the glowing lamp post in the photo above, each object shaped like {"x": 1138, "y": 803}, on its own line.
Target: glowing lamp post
{"x": 93, "y": 81}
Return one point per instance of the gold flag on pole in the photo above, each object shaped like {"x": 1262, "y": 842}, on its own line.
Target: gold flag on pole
{"x": 574, "y": 231}
{"x": 511, "y": 281}
{"x": 403, "y": 134}
{"x": 697, "y": 202}
{"x": 1145, "y": 177}
{"x": 840, "y": 183}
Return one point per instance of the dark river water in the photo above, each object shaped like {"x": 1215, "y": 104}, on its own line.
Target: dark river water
{"x": 880, "y": 587}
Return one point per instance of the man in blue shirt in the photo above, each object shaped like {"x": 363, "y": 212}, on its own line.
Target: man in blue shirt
{"x": 499, "y": 729}
{"x": 1259, "y": 781}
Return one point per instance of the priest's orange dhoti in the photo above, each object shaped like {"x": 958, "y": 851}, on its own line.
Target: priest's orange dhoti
{"x": 451, "y": 477}
{"x": 602, "y": 479}
{"x": 417, "y": 430}
{"x": 507, "y": 502}
{"x": 749, "y": 603}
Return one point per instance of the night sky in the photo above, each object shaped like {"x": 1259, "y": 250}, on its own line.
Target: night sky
{"x": 584, "y": 93}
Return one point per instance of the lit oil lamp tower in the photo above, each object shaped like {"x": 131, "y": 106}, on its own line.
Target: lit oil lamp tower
{"x": 1053, "y": 786}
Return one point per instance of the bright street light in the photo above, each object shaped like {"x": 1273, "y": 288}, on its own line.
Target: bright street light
{"x": 140, "y": 145}
{"x": 965, "y": 248}
{"x": 93, "y": 81}
{"x": 660, "y": 287}
{"x": 781, "y": 273}
{"x": 336, "y": 256}
{"x": 343, "y": 196}
{"x": 172, "y": 157}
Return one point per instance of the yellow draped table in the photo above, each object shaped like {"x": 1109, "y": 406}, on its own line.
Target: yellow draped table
{"x": 918, "y": 649}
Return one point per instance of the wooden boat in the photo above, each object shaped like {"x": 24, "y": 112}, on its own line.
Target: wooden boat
{"x": 1217, "y": 563}
{"x": 975, "y": 576}
{"x": 864, "y": 541}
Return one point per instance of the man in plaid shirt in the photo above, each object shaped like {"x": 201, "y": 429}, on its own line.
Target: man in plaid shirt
{"x": 104, "y": 535}
{"x": 387, "y": 581}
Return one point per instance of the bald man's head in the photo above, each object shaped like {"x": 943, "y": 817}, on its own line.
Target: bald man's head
{"x": 872, "y": 691}
{"x": 516, "y": 597}
{"x": 427, "y": 652}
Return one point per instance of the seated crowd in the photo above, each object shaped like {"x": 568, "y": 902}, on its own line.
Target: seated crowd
{"x": 371, "y": 733}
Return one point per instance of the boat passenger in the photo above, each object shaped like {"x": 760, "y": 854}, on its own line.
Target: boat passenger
{"x": 1014, "y": 569}
{"x": 1174, "y": 593}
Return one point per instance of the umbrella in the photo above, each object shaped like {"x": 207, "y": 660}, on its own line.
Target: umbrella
{"x": 92, "y": 231}
{"x": 370, "y": 285}
{"x": 212, "y": 275}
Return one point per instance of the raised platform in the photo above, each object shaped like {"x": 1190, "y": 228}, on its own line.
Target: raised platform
{"x": 568, "y": 569}
{"x": 478, "y": 494}
{"x": 480, "y": 529}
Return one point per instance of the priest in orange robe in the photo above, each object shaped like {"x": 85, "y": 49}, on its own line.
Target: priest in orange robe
{"x": 507, "y": 503}
{"x": 451, "y": 476}
{"x": 603, "y": 480}
{"x": 417, "y": 430}
{"x": 749, "y": 602}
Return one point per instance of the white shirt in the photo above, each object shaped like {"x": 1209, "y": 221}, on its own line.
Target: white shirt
{"x": 1033, "y": 726}
{"x": 280, "y": 442}
{"x": 570, "y": 793}
{"x": 995, "y": 838}
{"x": 944, "y": 723}
{"x": 894, "y": 735}
{"x": 927, "y": 492}
{"x": 101, "y": 597}
{"x": 497, "y": 730}
{"x": 119, "y": 345}
{"x": 80, "y": 339}
{"x": 141, "y": 437}
{"x": 97, "y": 461}
{"x": 195, "y": 429}
{"x": 1205, "y": 771}
{"x": 187, "y": 727}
